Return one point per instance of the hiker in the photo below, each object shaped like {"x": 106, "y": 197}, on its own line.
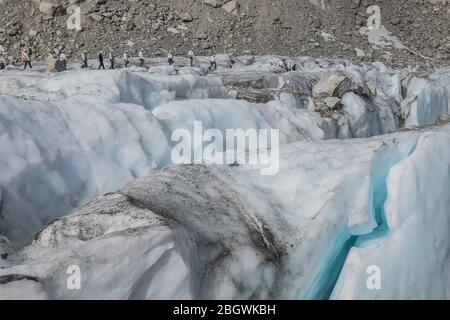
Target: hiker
{"x": 26, "y": 59}
{"x": 112, "y": 60}
{"x": 170, "y": 58}
{"x": 293, "y": 66}
{"x": 125, "y": 59}
{"x": 141, "y": 58}
{"x": 191, "y": 57}
{"x": 63, "y": 59}
{"x": 2, "y": 61}
{"x": 85, "y": 59}
{"x": 288, "y": 65}
{"x": 100, "y": 60}
{"x": 213, "y": 64}
{"x": 232, "y": 61}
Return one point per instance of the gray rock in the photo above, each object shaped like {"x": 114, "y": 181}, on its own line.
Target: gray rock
{"x": 395, "y": 21}
{"x": 436, "y": 43}
{"x": 333, "y": 102}
{"x": 213, "y": 3}
{"x": 13, "y": 32}
{"x": 187, "y": 17}
{"x": 202, "y": 36}
{"x": 232, "y": 7}
{"x": 173, "y": 30}
{"x": 355, "y": 4}
{"x": 96, "y": 17}
{"x": 48, "y": 8}
{"x": 156, "y": 26}
{"x": 333, "y": 86}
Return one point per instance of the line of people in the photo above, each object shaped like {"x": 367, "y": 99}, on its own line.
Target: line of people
{"x": 112, "y": 60}
{"x": 126, "y": 60}
{"x": 26, "y": 60}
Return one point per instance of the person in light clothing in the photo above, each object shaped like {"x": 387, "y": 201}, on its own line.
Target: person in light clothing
{"x": 112, "y": 60}
{"x": 191, "y": 57}
{"x": 26, "y": 59}
{"x": 141, "y": 58}
{"x": 85, "y": 59}
{"x": 126, "y": 62}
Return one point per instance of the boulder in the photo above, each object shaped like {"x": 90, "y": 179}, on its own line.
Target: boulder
{"x": 173, "y": 30}
{"x": 48, "y": 8}
{"x": 333, "y": 86}
{"x": 213, "y": 3}
{"x": 332, "y": 103}
{"x": 232, "y": 7}
{"x": 54, "y": 65}
{"x": 50, "y": 63}
{"x": 187, "y": 17}
{"x": 60, "y": 66}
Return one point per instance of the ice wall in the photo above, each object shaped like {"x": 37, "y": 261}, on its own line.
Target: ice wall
{"x": 413, "y": 256}
{"x": 428, "y": 98}
{"x": 54, "y": 157}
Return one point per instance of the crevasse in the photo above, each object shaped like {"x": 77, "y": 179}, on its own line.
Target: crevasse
{"x": 324, "y": 281}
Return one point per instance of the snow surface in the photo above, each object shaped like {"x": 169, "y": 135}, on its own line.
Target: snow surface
{"x": 187, "y": 232}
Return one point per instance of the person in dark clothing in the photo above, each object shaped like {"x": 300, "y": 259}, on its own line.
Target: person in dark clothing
{"x": 100, "y": 60}
{"x": 232, "y": 61}
{"x": 212, "y": 64}
{"x": 126, "y": 61}
{"x": 2, "y": 61}
{"x": 63, "y": 59}
{"x": 170, "y": 58}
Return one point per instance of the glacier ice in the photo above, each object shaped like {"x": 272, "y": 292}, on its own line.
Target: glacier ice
{"x": 86, "y": 179}
{"x": 416, "y": 206}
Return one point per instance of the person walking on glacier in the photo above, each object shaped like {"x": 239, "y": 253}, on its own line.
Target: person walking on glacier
{"x": 232, "y": 60}
{"x": 191, "y": 57}
{"x": 126, "y": 62}
{"x": 26, "y": 59}
{"x": 213, "y": 64}
{"x": 2, "y": 61}
{"x": 112, "y": 60}
{"x": 85, "y": 60}
{"x": 100, "y": 60}
{"x": 141, "y": 58}
{"x": 170, "y": 58}
{"x": 63, "y": 59}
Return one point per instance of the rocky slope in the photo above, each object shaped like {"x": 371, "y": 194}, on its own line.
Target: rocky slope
{"x": 319, "y": 28}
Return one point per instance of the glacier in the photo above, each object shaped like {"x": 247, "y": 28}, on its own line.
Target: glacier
{"x": 87, "y": 180}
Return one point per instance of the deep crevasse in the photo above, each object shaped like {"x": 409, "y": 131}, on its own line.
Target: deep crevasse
{"x": 417, "y": 213}
{"x": 376, "y": 227}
